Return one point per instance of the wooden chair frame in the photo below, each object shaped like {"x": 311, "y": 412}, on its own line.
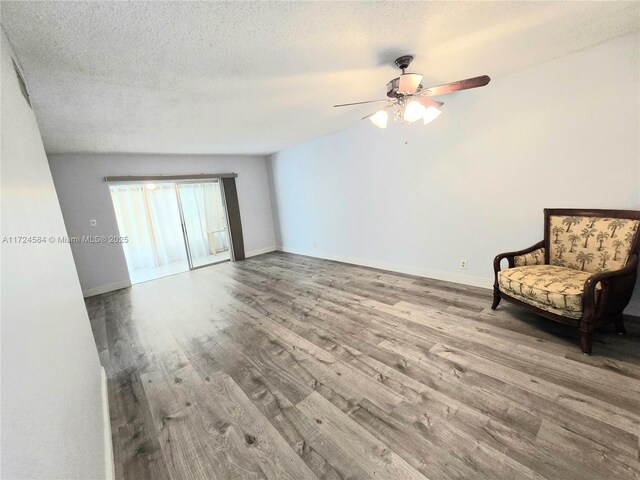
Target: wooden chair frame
{"x": 616, "y": 286}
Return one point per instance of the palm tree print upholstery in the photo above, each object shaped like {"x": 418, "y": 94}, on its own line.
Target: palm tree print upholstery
{"x": 549, "y": 287}
{"x": 591, "y": 244}
{"x": 532, "y": 258}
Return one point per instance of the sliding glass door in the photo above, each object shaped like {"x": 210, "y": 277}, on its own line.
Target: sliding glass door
{"x": 171, "y": 227}
{"x": 148, "y": 215}
{"x": 205, "y": 222}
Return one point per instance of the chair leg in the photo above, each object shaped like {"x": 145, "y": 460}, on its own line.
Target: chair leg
{"x": 496, "y": 299}
{"x": 619, "y": 323}
{"x": 586, "y": 340}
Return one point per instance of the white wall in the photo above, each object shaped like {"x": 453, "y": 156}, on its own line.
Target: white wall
{"x": 52, "y": 422}
{"x": 474, "y": 182}
{"x": 83, "y": 194}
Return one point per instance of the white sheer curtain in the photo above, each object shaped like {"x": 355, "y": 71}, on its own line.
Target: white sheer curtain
{"x": 151, "y": 220}
{"x": 204, "y": 218}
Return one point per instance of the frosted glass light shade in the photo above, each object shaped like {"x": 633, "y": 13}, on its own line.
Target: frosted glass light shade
{"x": 409, "y": 83}
{"x": 413, "y": 111}
{"x": 380, "y": 118}
{"x": 430, "y": 114}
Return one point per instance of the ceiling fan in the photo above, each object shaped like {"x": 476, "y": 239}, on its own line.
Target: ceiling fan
{"x": 409, "y": 101}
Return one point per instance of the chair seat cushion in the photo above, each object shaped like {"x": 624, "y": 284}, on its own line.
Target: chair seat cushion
{"x": 549, "y": 287}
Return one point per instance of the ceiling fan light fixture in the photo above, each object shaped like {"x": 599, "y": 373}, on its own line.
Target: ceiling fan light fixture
{"x": 430, "y": 114}
{"x": 380, "y": 118}
{"x": 413, "y": 111}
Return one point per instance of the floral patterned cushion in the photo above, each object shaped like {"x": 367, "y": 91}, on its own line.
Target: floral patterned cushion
{"x": 591, "y": 244}
{"x": 532, "y": 258}
{"x": 549, "y": 287}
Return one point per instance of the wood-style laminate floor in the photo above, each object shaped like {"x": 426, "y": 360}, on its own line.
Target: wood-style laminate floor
{"x": 289, "y": 367}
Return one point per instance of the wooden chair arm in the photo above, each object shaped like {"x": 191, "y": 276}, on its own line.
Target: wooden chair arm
{"x": 630, "y": 268}
{"x": 616, "y": 288}
{"x": 510, "y": 255}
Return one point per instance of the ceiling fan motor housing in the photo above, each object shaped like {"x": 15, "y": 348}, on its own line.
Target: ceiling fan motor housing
{"x": 392, "y": 88}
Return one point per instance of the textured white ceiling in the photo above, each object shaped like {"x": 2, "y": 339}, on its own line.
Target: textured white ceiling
{"x": 255, "y": 77}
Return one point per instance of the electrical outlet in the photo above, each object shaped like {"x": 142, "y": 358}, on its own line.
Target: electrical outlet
{"x": 463, "y": 264}
{"x": 93, "y": 222}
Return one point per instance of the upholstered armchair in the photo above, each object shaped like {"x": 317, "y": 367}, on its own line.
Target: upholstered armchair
{"x": 582, "y": 273}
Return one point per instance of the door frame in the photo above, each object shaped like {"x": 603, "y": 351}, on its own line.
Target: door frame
{"x": 185, "y": 233}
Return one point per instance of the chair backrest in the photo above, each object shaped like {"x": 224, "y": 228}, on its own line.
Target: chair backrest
{"x": 591, "y": 240}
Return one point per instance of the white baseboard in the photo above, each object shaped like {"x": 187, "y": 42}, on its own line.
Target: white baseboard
{"x": 259, "y": 251}
{"x": 420, "y": 272}
{"x": 108, "y": 446}
{"x": 105, "y": 288}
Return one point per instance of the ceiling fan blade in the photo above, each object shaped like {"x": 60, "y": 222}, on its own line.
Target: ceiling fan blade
{"x": 360, "y": 103}
{"x": 474, "y": 82}
{"x": 429, "y": 102}
{"x": 409, "y": 83}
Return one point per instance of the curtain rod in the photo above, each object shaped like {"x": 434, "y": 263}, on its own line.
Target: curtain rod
{"x": 160, "y": 178}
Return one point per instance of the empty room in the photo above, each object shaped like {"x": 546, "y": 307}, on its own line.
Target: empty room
{"x": 320, "y": 240}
